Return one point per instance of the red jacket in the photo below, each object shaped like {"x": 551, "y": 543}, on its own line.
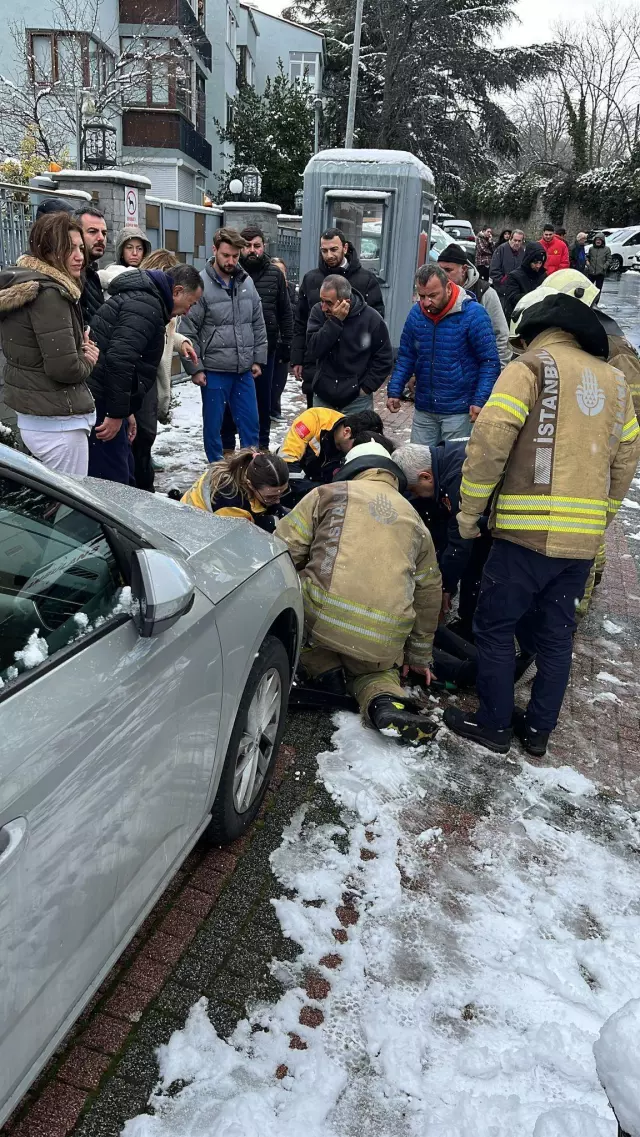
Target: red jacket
{"x": 557, "y": 252}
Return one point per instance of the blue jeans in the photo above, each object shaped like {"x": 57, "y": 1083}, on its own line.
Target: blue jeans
{"x": 430, "y": 429}
{"x": 263, "y": 395}
{"x": 239, "y": 393}
{"x": 360, "y": 403}
{"x": 520, "y": 582}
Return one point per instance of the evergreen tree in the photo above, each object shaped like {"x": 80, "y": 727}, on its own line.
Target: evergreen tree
{"x": 273, "y": 132}
{"x": 427, "y": 80}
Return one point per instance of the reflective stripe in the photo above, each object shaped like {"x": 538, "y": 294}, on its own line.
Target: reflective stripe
{"x": 299, "y": 525}
{"x": 515, "y": 407}
{"x": 358, "y": 630}
{"x": 630, "y": 430}
{"x": 552, "y": 504}
{"x": 426, "y": 572}
{"x": 522, "y": 498}
{"x": 477, "y": 489}
{"x": 556, "y": 524}
{"x": 321, "y": 596}
{"x": 614, "y": 504}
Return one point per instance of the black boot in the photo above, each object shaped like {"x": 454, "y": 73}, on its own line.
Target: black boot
{"x": 534, "y": 741}
{"x": 332, "y": 682}
{"x": 465, "y": 725}
{"x": 389, "y": 715}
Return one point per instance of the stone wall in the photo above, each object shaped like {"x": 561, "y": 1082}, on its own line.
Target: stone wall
{"x": 107, "y": 189}
{"x": 574, "y": 219}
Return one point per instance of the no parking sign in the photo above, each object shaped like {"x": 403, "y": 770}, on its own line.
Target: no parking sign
{"x": 130, "y": 206}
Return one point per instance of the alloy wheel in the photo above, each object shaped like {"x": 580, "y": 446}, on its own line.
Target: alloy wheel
{"x": 258, "y": 737}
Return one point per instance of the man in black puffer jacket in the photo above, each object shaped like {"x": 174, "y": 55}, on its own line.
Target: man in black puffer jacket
{"x": 351, "y": 344}
{"x": 129, "y": 329}
{"x": 337, "y": 257}
{"x": 271, "y": 287}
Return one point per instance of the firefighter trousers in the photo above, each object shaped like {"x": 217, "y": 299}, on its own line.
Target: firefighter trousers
{"x": 515, "y": 581}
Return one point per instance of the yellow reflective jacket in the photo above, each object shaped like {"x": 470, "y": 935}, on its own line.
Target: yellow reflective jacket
{"x": 305, "y": 431}
{"x": 240, "y": 505}
{"x": 558, "y": 440}
{"x": 370, "y": 579}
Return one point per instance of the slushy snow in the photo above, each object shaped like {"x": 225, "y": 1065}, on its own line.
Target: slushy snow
{"x": 470, "y": 992}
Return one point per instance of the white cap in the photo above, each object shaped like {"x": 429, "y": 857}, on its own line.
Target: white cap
{"x": 364, "y": 448}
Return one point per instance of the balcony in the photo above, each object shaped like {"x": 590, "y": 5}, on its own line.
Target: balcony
{"x": 173, "y": 13}
{"x": 165, "y": 129}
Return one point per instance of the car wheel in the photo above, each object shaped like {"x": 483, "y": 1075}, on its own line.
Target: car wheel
{"x": 617, "y": 264}
{"x": 254, "y": 743}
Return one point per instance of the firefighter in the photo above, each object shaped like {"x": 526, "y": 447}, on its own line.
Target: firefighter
{"x": 371, "y": 589}
{"x": 559, "y": 438}
{"x": 317, "y": 441}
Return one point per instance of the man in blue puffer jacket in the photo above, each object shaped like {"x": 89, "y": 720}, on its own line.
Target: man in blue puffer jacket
{"x": 448, "y": 343}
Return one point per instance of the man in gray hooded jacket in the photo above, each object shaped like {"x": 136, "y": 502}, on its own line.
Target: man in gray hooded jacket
{"x": 454, "y": 262}
{"x": 227, "y": 330}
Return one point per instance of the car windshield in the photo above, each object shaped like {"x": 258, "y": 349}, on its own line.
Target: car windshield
{"x": 465, "y": 232}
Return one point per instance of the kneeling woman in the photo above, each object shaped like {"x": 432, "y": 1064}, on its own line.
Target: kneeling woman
{"x": 247, "y": 485}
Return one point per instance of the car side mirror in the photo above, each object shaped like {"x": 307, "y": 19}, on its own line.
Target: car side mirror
{"x": 163, "y": 588}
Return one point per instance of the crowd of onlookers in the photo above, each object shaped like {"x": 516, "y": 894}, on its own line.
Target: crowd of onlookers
{"x": 516, "y": 266}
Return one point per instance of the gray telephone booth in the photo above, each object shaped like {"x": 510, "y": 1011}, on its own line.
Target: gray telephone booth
{"x": 383, "y": 202}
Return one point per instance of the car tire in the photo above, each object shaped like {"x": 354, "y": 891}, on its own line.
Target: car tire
{"x": 617, "y": 264}
{"x": 254, "y": 743}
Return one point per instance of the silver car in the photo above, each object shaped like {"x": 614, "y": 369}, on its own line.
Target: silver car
{"x": 146, "y": 655}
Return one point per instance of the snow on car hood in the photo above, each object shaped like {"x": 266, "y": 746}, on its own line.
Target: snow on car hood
{"x": 192, "y": 529}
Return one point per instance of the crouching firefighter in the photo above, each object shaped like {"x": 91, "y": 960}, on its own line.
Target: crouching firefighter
{"x": 559, "y": 438}
{"x": 316, "y": 443}
{"x": 371, "y": 587}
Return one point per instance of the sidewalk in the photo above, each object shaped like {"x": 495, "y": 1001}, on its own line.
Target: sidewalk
{"x": 215, "y": 933}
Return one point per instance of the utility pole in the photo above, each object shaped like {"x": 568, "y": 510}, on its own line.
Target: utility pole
{"x": 353, "y": 84}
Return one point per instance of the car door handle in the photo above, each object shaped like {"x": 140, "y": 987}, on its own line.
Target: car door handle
{"x": 12, "y": 836}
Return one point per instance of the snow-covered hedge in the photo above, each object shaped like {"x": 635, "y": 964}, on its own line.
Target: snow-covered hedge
{"x": 509, "y": 194}
{"x": 610, "y": 193}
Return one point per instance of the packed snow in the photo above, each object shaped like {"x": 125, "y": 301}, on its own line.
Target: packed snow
{"x": 498, "y": 929}
{"x": 617, "y": 1054}
{"x": 610, "y": 628}
{"x": 34, "y": 652}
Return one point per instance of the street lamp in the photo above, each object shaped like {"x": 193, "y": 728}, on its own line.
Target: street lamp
{"x": 298, "y": 198}
{"x": 235, "y": 187}
{"x": 252, "y": 183}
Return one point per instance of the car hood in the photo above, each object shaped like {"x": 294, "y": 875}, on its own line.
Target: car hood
{"x": 222, "y": 552}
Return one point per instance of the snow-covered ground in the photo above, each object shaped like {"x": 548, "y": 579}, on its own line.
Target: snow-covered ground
{"x": 498, "y": 927}
{"x": 178, "y": 449}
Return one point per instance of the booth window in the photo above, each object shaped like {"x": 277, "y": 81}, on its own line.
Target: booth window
{"x": 363, "y": 224}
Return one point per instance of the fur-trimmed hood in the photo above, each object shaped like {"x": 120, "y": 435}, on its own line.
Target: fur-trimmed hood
{"x": 20, "y": 286}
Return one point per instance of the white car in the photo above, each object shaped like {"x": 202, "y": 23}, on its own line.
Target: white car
{"x": 624, "y": 245}
{"x": 462, "y": 232}
{"x": 440, "y": 239}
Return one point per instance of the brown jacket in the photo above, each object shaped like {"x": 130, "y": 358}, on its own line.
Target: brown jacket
{"x": 42, "y": 331}
{"x": 370, "y": 579}
{"x": 558, "y": 440}
{"x": 622, "y": 356}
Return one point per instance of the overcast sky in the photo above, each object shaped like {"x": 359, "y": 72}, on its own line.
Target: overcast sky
{"x": 536, "y": 17}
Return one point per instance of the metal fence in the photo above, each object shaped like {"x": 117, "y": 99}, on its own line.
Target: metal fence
{"x": 15, "y": 222}
{"x": 288, "y": 249}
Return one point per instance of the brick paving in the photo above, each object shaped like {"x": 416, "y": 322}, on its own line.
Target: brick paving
{"x": 214, "y": 931}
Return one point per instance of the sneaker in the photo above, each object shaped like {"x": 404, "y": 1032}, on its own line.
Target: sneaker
{"x": 466, "y": 725}
{"x": 398, "y": 720}
{"x": 534, "y": 741}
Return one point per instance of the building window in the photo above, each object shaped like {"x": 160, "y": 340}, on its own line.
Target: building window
{"x": 69, "y": 58}
{"x": 201, "y": 102}
{"x": 231, "y": 30}
{"x": 303, "y": 68}
{"x": 246, "y": 67}
{"x": 160, "y": 74}
{"x": 230, "y": 113}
